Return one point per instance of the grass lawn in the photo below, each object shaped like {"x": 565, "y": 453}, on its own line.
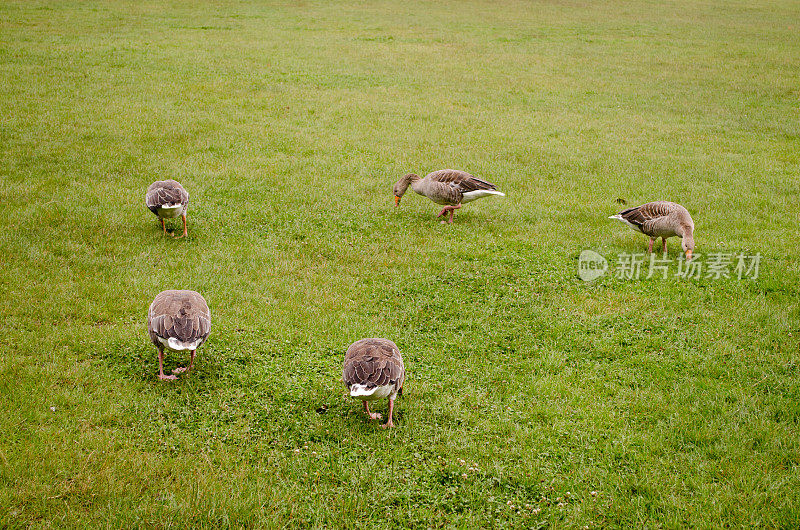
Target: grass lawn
{"x": 533, "y": 398}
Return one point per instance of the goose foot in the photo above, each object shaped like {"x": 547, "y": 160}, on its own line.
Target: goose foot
{"x": 167, "y": 377}
{"x": 372, "y": 415}
{"x": 181, "y": 369}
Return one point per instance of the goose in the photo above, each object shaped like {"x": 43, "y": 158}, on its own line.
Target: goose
{"x": 167, "y": 199}
{"x": 661, "y": 219}
{"x": 373, "y": 369}
{"x": 178, "y": 321}
{"x": 446, "y": 186}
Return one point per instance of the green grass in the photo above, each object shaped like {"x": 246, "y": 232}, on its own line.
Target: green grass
{"x": 678, "y": 402}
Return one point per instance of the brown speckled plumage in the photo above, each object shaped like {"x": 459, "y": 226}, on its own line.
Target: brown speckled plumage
{"x": 166, "y": 192}
{"x": 181, "y": 315}
{"x": 374, "y": 362}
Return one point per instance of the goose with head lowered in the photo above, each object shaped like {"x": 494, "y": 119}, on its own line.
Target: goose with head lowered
{"x": 373, "y": 369}
{"x": 178, "y": 321}
{"x": 449, "y": 187}
{"x": 662, "y": 219}
{"x": 167, "y": 199}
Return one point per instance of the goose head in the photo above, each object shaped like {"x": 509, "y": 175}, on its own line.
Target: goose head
{"x": 401, "y": 186}
{"x": 687, "y": 242}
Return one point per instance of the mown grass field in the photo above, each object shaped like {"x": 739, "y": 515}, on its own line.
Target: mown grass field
{"x": 676, "y": 402}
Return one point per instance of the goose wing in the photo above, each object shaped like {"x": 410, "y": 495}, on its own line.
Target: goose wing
{"x": 182, "y": 315}
{"x": 373, "y": 362}
{"x": 164, "y": 192}
{"x": 460, "y": 180}
{"x": 647, "y": 216}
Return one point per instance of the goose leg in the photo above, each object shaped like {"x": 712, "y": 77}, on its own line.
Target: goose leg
{"x": 161, "y": 366}
{"x": 184, "y": 226}
{"x": 650, "y": 246}
{"x": 663, "y": 245}
{"x": 453, "y": 211}
{"x": 389, "y": 423}
{"x": 450, "y": 209}
{"x": 191, "y": 365}
{"x": 372, "y": 415}
{"x": 163, "y": 226}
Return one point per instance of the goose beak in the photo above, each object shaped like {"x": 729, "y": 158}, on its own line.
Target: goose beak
{"x": 396, "y": 201}
{"x": 688, "y": 255}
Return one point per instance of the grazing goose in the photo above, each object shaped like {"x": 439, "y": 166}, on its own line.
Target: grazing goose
{"x": 178, "y": 321}
{"x": 373, "y": 369}
{"x": 446, "y": 186}
{"x": 661, "y": 219}
{"x": 167, "y": 199}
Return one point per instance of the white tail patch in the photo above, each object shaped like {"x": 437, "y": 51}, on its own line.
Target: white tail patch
{"x": 370, "y": 394}
{"x": 169, "y": 211}
{"x": 618, "y": 217}
{"x": 176, "y": 345}
{"x": 478, "y": 194}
